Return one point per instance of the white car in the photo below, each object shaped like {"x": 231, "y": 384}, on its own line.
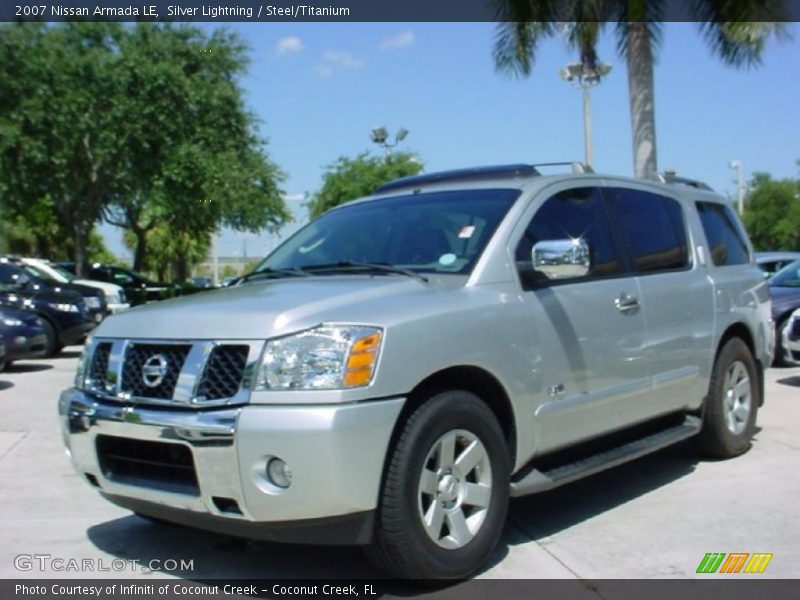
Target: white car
{"x": 115, "y": 295}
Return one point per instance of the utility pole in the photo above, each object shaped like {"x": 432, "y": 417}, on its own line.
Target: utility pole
{"x": 736, "y": 165}
{"x": 585, "y": 79}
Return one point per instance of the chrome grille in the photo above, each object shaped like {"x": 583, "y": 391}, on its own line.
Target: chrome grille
{"x": 137, "y": 355}
{"x": 223, "y": 373}
{"x": 98, "y": 372}
{"x": 180, "y": 373}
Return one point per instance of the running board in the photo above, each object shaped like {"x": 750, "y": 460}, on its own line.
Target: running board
{"x": 541, "y": 481}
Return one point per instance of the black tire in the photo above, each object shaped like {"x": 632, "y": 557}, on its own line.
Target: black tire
{"x": 725, "y": 433}
{"x": 402, "y": 547}
{"x": 51, "y": 347}
{"x": 778, "y": 360}
{"x": 2, "y": 365}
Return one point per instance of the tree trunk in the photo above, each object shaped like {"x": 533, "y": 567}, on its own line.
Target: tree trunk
{"x": 140, "y": 253}
{"x": 642, "y": 99}
{"x": 79, "y": 236}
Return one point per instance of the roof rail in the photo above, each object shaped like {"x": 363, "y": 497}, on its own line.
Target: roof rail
{"x": 477, "y": 174}
{"x": 576, "y": 166}
{"x": 669, "y": 176}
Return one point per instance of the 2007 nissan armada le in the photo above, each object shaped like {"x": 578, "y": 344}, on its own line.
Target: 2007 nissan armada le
{"x": 397, "y": 369}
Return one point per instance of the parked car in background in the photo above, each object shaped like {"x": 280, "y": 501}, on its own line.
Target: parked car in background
{"x": 201, "y": 282}
{"x": 115, "y": 295}
{"x": 13, "y": 272}
{"x": 784, "y": 287}
{"x": 138, "y": 288}
{"x": 2, "y": 356}
{"x": 65, "y": 318}
{"x": 791, "y": 339}
{"x": 23, "y": 334}
{"x": 772, "y": 262}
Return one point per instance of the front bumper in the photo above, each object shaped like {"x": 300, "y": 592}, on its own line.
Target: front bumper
{"x": 335, "y": 452}
{"x": 114, "y": 308}
{"x": 26, "y": 346}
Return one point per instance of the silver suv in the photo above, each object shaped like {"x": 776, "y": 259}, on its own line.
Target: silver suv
{"x": 397, "y": 369}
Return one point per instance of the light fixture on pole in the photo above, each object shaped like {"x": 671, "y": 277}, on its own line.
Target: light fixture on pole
{"x": 380, "y": 135}
{"x": 736, "y": 165}
{"x": 584, "y": 78}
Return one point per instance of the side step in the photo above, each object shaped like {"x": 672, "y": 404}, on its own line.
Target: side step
{"x": 541, "y": 481}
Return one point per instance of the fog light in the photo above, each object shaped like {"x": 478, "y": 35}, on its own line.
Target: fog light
{"x": 279, "y": 473}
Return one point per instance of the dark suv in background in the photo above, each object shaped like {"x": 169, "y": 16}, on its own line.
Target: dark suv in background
{"x": 137, "y": 288}
{"x": 24, "y": 277}
{"x": 65, "y": 318}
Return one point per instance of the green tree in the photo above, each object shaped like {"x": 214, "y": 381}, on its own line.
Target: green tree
{"x": 60, "y": 139}
{"x": 142, "y": 124}
{"x": 351, "y": 178}
{"x": 736, "y": 33}
{"x": 772, "y": 213}
{"x": 199, "y": 162}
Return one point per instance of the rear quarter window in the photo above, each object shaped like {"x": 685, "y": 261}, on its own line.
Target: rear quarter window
{"x": 725, "y": 240}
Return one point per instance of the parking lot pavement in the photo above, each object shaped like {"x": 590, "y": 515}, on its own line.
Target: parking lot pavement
{"x": 656, "y": 517}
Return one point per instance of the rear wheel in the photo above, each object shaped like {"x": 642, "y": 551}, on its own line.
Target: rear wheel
{"x": 729, "y": 418}
{"x": 779, "y": 360}
{"x": 445, "y": 495}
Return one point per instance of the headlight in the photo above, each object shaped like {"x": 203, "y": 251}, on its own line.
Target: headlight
{"x": 113, "y": 299}
{"x": 93, "y": 302}
{"x": 71, "y": 308}
{"x": 328, "y": 357}
{"x": 12, "y": 322}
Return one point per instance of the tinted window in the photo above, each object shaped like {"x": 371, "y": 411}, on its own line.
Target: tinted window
{"x": 570, "y": 215}
{"x": 725, "y": 242}
{"x": 654, "y": 228}
{"x": 442, "y": 232}
{"x": 11, "y": 274}
{"x": 789, "y": 276}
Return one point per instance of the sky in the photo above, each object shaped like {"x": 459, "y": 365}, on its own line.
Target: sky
{"x": 318, "y": 89}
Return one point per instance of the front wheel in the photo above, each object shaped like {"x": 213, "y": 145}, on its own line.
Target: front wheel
{"x": 445, "y": 494}
{"x": 729, "y": 418}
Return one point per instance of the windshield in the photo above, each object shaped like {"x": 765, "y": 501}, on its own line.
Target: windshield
{"x": 788, "y": 276}
{"x": 440, "y": 232}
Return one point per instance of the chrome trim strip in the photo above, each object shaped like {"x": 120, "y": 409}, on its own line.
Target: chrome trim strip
{"x": 192, "y": 372}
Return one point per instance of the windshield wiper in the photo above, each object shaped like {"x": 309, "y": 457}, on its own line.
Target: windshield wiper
{"x": 385, "y": 267}
{"x": 263, "y": 273}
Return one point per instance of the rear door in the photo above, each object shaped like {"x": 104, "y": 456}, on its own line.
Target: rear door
{"x": 675, "y": 295}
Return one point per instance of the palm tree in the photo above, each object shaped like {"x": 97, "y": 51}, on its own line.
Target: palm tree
{"x": 736, "y": 33}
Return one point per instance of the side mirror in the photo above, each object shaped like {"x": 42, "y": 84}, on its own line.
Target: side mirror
{"x": 561, "y": 259}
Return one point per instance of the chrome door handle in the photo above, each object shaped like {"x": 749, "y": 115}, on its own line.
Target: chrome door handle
{"x": 626, "y": 302}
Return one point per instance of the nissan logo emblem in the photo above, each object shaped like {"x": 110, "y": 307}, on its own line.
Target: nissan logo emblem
{"x": 154, "y": 370}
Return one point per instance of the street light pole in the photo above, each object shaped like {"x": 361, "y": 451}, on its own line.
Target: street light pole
{"x": 736, "y": 165}
{"x": 585, "y": 78}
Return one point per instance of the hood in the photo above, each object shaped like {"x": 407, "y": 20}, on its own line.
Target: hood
{"x": 275, "y": 307}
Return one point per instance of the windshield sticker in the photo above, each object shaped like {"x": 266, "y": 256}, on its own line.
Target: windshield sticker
{"x": 447, "y": 259}
{"x": 466, "y": 232}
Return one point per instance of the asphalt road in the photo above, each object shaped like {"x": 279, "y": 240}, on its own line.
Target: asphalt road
{"x": 656, "y": 517}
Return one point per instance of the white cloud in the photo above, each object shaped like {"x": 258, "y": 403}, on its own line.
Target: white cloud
{"x": 324, "y": 71}
{"x": 289, "y": 45}
{"x": 342, "y": 59}
{"x": 401, "y": 40}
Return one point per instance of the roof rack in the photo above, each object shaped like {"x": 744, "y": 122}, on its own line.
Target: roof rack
{"x": 478, "y": 174}
{"x": 669, "y": 176}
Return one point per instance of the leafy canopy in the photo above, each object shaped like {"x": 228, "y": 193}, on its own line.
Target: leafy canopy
{"x": 351, "y": 178}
